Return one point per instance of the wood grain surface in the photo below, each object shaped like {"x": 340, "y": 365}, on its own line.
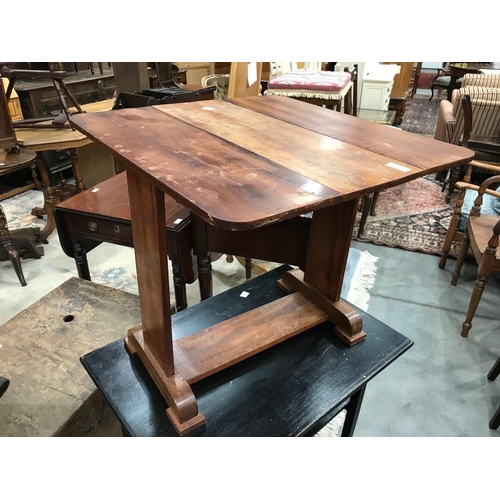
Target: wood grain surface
{"x": 240, "y": 168}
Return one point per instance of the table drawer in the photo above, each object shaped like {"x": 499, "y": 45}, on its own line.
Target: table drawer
{"x": 112, "y": 231}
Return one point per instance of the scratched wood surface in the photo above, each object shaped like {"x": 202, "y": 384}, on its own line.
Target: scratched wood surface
{"x": 240, "y": 168}
{"x": 420, "y": 151}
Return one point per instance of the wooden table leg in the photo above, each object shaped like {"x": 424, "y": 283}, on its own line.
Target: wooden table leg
{"x": 352, "y": 412}
{"x": 76, "y": 170}
{"x": 48, "y": 190}
{"x": 153, "y": 340}
{"x": 321, "y": 282}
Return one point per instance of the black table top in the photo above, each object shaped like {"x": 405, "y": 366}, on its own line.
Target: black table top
{"x": 291, "y": 389}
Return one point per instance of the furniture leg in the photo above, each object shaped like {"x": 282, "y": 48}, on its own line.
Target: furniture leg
{"x": 179, "y": 287}
{"x": 11, "y": 250}
{"x": 35, "y": 176}
{"x": 200, "y": 248}
{"x": 4, "y": 384}
{"x": 452, "y": 230}
{"x": 352, "y": 412}
{"x": 366, "y": 204}
{"x": 374, "y": 203}
{"x": 76, "y": 170}
{"x": 153, "y": 340}
{"x": 485, "y": 267}
{"x": 321, "y": 282}
{"x": 454, "y": 177}
{"x": 48, "y": 189}
{"x": 82, "y": 265}
{"x": 464, "y": 247}
{"x": 492, "y": 375}
{"x": 495, "y": 370}
{"x": 495, "y": 420}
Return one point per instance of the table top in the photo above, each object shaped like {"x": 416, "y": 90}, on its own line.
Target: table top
{"x": 12, "y": 161}
{"x": 462, "y": 68}
{"x": 248, "y": 162}
{"x": 291, "y": 389}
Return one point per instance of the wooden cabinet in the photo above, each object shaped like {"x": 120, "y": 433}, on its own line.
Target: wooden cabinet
{"x": 378, "y": 83}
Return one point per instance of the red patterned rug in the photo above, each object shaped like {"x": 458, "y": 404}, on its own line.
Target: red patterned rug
{"x": 411, "y": 216}
{"x": 425, "y": 80}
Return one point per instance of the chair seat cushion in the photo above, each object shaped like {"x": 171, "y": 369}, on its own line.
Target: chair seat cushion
{"x": 321, "y": 84}
{"x": 490, "y": 206}
{"x": 442, "y": 80}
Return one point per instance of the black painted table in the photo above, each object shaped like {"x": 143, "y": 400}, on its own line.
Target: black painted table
{"x": 291, "y": 389}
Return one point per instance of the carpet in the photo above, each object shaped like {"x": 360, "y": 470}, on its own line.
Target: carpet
{"x": 421, "y": 116}
{"x": 425, "y": 80}
{"x": 412, "y": 216}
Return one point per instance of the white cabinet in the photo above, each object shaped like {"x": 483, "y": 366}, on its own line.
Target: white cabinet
{"x": 378, "y": 81}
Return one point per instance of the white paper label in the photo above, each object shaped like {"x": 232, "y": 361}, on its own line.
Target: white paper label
{"x": 244, "y": 294}
{"x": 177, "y": 221}
{"x": 252, "y": 73}
{"x": 397, "y": 167}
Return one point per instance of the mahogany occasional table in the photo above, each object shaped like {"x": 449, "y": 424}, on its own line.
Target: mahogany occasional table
{"x": 251, "y": 165}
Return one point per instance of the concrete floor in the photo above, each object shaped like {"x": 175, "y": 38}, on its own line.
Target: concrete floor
{"x": 439, "y": 387}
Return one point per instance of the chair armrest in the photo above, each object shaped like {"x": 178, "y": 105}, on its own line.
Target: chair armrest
{"x": 446, "y": 121}
{"x": 462, "y": 186}
{"x": 495, "y": 167}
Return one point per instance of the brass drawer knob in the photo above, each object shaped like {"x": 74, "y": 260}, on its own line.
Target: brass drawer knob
{"x": 93, "y": 226}
{"x": 117, "y": 229}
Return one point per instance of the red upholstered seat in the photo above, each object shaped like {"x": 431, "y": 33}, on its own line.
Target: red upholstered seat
{"x": 323, "y": 81}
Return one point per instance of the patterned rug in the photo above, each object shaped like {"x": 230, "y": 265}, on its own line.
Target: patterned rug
{"x": 421, "y": 116}
{"x": 412, "y": 216}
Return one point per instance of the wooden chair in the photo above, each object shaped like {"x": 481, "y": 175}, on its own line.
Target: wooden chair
{"x": 492, "y": 375}
{"x": 482, "y": 236}
{"x": 467, "y": 190}
{"x": 57, "y": 76}
{"x": 442, "y": 80}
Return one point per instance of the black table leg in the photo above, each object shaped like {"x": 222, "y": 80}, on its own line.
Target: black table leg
{"x": 352, "y": 410}
{"x": 82, "y": 266}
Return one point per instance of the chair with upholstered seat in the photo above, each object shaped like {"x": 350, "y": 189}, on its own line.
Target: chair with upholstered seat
{"x": 483, "y": 124}
{"x": 467, "y": 190}
{"x": 442, "y": 80}
{"x": 323, "y": 88}
{"x": 481, "y": 235}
